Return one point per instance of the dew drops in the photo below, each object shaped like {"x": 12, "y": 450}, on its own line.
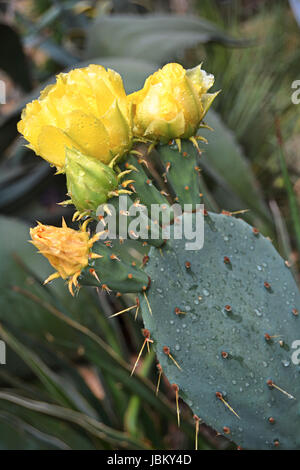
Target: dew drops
{"x": 285, "y": 363}
{"x": 205, "y": 292}
{"x": 177, "y": 347}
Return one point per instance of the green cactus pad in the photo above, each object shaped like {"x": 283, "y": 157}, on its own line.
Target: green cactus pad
{"x": 113, "y": 272}
{"x": 235, "y": 292}
{"x": 181, "y": 171}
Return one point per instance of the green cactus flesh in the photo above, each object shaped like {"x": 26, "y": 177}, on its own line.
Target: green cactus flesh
{"x": 236, "y": 291}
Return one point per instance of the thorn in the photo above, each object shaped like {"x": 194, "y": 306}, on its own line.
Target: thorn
{"x": 179, "y": 312}
{"x": 267, "y": 285}
{"x": 224, "y": 354}
{"x": 137, "y": 307}
{"x": 220, "y": 397}
{"x": 226, "y": 430}
{"x": 255, "y": 231}
{"x": 106, "y": 288}
{"x": 148, "y": 304}
{"x": 295, "y": 312}
{"x": 159, "y": 368}
{"x": 145, "y": 260}
{"x": 75, "y": 216}
{"x": 242, "y": 211}
{"x": 176, "y": 390}
{"x": 271, "y": 420}
{"x": 123, "y": 311}
{"x": 227, "y": 260}
{"x": 168, "y": 166}
{"x": 195, "y": 143}
{"x": 146, "y": 334}
{"x": 197, "y": 422}
{"x": 93, "y": 273}
{"x": 228, "y": 308}
{"x": 113, "y": 256}
{"x": 166, "y": 350}
{"x": 271, "y": 384}
{"x": 178, "y": 142}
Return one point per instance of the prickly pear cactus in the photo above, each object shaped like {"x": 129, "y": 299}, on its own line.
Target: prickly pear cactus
{"x": 223, "y": 319}
{"x": 228, "y": 315}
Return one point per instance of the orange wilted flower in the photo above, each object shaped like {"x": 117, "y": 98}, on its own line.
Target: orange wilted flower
{"x": 67, "y": 250}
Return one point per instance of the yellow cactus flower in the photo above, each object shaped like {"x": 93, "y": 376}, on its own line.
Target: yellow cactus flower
{"x": 172, "y": 103}
{"x": 67, "y": 250}
{"x": 85, "y": 109}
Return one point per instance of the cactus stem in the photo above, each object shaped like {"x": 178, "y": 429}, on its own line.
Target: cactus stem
{"x": 147, "y": 340}
{"x": 148, "y": 304}
{"x": 176, "y": 390}
{"x": 159, "y": 368}
{"x": 166, "y": 350}
{"x": 197, "y": 422}
{"x": 124, "y": 311}
{"x": 220, "y": 397}
{"x": 271, "y": 384}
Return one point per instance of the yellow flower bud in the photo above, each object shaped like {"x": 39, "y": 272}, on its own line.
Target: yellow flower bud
{"x": 67, "y": 250}
{"x": 85, "y": 109}
{"x": 172, "y": 103}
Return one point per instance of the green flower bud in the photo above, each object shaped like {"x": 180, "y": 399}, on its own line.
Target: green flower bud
{"x": 89, "y": 181}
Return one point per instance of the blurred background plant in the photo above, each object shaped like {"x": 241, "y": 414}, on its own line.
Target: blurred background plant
{"x": 66, "y": 383}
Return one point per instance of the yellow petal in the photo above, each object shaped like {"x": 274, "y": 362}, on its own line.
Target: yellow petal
{"x": 90, "y": 135}
{"x": 118, "y": 129}
{"x": 52, "y": 143}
